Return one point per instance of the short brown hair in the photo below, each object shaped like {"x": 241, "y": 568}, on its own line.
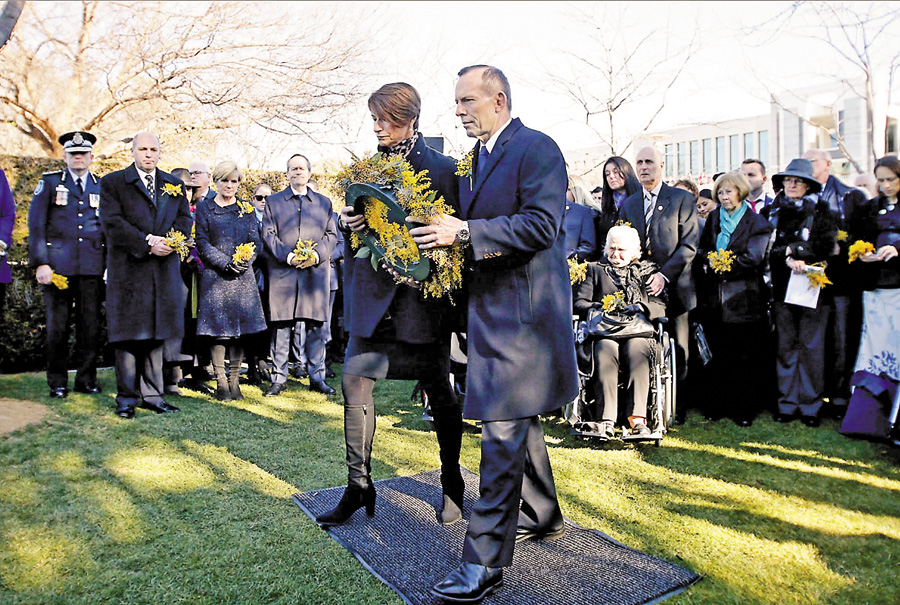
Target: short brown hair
{"x": 735, "y": 179}
{"x": 398, "y": 103}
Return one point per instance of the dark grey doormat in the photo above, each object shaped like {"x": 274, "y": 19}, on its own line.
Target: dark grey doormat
{"x": 405, "y": 547}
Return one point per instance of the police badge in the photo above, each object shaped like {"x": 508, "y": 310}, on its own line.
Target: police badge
{"x": 94, "y": 200}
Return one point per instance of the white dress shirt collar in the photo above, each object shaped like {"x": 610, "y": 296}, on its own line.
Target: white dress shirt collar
{"x": 301, "y": 192}
{"x": 489, "y": 144}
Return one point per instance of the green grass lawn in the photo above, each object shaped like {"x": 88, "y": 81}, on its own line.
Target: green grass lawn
{"x": 195, "y": 507}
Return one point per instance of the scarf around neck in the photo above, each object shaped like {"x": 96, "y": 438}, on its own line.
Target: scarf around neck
{"x": 630, "y": 279}
{"x": 402, "y": 148}
{"x": 728, "y": 223}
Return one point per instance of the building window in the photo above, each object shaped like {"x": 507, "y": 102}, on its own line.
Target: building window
{"x": 720, "y": 154}
{"x": 735, "y": 144}
{"x": 748, "y": 145}
{"x": 695, "y": 158}
{"x": 708, "y": 160}
{"x": 670, "y": 161}
{"x": 763, "y": 146}
{"x": 682, "y": 159}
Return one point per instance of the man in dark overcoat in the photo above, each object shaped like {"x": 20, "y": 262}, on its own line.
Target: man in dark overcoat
{"x": 521, "y": 352}
{"x": 666, "y": 219}
{"x": 298, "y": 290}
{"x": 64, "y": 237}
{"x": 138, "y": 207}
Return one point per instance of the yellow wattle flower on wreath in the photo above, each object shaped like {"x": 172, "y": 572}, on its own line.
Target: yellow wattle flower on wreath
{"x": 171, "y": 189}
{"x": 60, "y": 281}
{"x": 423, "y": 205}
{"x": 859, "y": 248}
{"x": 243, "y": 252}
{"x": 577, "y": 271}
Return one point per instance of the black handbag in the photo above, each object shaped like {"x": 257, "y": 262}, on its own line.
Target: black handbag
{"x": 615, "y": 326}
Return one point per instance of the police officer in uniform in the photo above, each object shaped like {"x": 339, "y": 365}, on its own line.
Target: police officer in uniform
{"x": 65, "y": 238}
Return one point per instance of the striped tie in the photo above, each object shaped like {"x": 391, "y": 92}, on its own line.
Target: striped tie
{"x": 648, "y": 215}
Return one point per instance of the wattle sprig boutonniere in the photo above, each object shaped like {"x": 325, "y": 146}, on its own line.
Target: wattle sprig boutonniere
{"x": 244, "y": 208}
{"x": 464, "y": 167}
{"x": 172, "y": 189}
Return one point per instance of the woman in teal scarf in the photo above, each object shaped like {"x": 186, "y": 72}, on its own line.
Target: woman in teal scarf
{"x": 735, "y": 301}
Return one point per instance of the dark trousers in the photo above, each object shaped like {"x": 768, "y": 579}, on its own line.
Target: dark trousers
{"x": 139, "y": 372}
{"x": 515, "y": 468}
{"x": 85, "y": 293}
{"x": 737, "y": 377}
{"x": 842, "y": 344}
{"x": 284, "y": 335}
{"x": 634, "y": 355}
{"x": 801, "y": 357}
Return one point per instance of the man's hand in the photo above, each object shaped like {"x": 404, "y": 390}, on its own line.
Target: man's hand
{"x": 310, "y": 262}
{"x": 352, "y": 220}
{"x": 152, "y": 240}
{"x": 797, "y": 266}
{"x": 887, "y": 252}
{"x": 442, "y": 232}
{"x": 656, "y": 284}
{"x": 160, "y": 248}
{"x": 44, "y": 275}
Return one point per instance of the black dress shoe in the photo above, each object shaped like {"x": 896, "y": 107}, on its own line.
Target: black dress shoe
{"x": 298, "y": 372}
{"x": 810, "y": 421}
{"x": 276, "y": 389}
{"x": 320, "y": 386}
{"x": 59, "y": 392}
{"x": 160, "y": 407}
{"x": 125, "y": 411}
{"x": 329, "y": 373}
{"x": 523, "y": 533}
{"x": 784, "y": 418}
{"x": 469, "y": 583}
{"x": 90, "y": 389}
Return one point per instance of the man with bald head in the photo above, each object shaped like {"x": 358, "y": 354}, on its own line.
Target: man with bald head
{"x": 845, "y": 324}
{"x": 138, "y": 207}
{"x": 666, "y": 219}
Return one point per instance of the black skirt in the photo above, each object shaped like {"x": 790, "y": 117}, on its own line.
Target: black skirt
{"x": 383, "y": 356}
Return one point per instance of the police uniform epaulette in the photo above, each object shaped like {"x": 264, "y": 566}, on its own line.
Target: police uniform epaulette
{"x": 52, "y": 172}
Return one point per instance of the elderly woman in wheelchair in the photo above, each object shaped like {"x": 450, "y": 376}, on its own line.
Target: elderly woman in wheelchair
{"x": 618, "y": 338}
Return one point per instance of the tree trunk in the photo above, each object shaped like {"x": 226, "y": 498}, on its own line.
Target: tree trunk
{"x": 11, "y": 11}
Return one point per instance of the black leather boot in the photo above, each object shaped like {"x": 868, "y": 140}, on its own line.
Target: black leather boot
{"x": 353, "y": 499}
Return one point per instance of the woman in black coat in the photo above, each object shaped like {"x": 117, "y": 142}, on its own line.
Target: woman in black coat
{"x": 394, "y": 332}
{"x": 735, "y": 303}
{"x": 880, "y": 226}
{"x": 621, "y": 271}
{"x": 229, "y": 305}
{"x": 805, "y": 233}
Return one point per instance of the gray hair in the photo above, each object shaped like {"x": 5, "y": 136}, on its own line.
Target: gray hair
{"x": 628, "y": 235}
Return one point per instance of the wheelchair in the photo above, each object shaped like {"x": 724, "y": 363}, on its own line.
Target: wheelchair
{"x": 662, "y": 397}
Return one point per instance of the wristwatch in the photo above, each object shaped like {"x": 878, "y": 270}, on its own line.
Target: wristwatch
{"x": 463, "y": 236}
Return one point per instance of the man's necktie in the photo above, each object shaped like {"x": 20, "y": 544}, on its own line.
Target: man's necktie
{"x": 648, "y": 215}
{"x": 149, "y": 179}
{"x": 483, "y": 157}
{"x": 79, "y": 186}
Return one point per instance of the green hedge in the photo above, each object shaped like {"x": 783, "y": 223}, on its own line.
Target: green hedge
{"x": 24, "y": 322}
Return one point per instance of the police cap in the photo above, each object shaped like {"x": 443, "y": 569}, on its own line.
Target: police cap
{"x": 77, "y": 142}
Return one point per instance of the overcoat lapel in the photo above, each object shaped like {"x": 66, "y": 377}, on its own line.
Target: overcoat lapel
{"x": 740, "y": 232}
{"x": 162, "y": 202}
{"x": 482, "y": 173}
{"x": 662, "y": 201}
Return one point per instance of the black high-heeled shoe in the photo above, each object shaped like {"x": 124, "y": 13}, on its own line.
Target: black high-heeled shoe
{"x": 353, "y": 499}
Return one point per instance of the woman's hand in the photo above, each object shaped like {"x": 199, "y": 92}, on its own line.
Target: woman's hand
{"x": 351, "y": 220}
{"x": 406, "y": 281}
{"x": 887, "y": 252}
{"x": 797, "y": 266}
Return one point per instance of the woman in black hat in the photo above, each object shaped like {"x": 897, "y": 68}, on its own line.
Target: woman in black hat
{"x": 805, "y": 233}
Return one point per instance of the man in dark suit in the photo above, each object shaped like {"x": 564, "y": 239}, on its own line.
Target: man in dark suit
{"x": 138, "y": 207}
{"x": 201, "y": 177}
{"x": 666, "y": 219}
{"x": 581, "y": 231}
{"x": 64, "y": 237}
{"x": 755, "y": 171}
{"x": 298, "y": 291}
{"x": 521, "y": 354}
{"x": 845, "y": 323}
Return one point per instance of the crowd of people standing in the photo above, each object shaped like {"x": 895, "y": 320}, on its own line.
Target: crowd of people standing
{"x": 197, "y": 280}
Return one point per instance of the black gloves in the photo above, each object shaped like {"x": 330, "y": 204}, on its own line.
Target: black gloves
{"x": 234, "y": 269}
